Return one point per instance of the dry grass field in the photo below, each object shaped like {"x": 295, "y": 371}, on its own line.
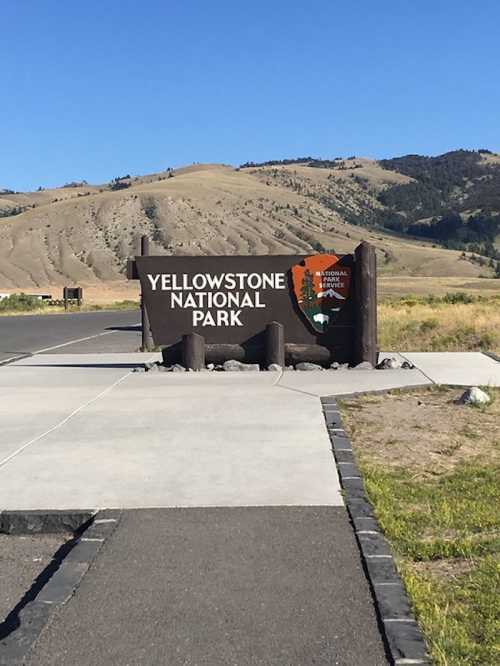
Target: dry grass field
{"x": 400, "y": 286}
{"x": 456, "y": 322}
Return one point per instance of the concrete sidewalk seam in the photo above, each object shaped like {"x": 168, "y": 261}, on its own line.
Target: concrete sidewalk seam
{"x": 402, "y": 636}
{"x": 278, "y": 379}
{"x": 290, "y": 388}
{"x": 419, "y": 369}
{"x": 52, "y": 588}
{"x": 63, "y": 422}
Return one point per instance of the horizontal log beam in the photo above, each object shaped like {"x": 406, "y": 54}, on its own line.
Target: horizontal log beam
{"x": 294, "y": 353}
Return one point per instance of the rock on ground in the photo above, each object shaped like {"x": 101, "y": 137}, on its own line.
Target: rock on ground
{"x": 308, "y": 366}
{"x": 474, "y": 396}
{"x": 365, "y": 365}
{"x": 394, "y": 364}
{"x": 237, "y": 366}
{"x": 388, "y": 364}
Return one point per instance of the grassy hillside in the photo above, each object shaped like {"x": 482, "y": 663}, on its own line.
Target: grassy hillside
{"x": 452, "y": 199}
{"x": 83, "y": 233}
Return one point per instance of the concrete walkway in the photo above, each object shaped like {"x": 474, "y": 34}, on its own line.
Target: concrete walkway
{"x": 158, "y": 440}
{"x": 83, "y": 431}
{"x": 457, "y": 368}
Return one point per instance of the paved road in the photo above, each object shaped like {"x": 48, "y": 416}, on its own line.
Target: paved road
{"x": 27, "y": 334}
{"x": 248, "y": 586}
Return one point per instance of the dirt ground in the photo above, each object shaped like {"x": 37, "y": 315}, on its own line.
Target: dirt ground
{"x": 98, "y": 293}
{"x": 22, "y": 559}
{"x": 423, "y": 429}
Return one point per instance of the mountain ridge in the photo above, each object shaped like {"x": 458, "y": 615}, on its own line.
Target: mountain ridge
{"x": 84, "y": 233}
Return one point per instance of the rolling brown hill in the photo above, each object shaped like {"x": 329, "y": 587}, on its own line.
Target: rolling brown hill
{"x": 84, "y": 233}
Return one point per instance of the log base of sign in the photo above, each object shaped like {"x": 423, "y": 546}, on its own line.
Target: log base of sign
{"x": 193, "y": 351}
{"x": 310, "y": 354}
{"x": 218, "y": 354}
{"x": 275, "y": 344}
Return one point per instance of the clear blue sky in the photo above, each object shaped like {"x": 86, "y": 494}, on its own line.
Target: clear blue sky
{"x": 101, "y": 88}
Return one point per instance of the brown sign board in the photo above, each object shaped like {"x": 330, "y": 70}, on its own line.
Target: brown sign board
{"x": 72, "y": 293}
{"x": 231, "y": 299}
{"x": 319, "y": 307}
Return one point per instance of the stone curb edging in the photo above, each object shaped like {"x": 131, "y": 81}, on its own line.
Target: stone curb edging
{"x": 403, "y": 638}
{"x": 56, "y": 584}
{"x": 44, "y": 522}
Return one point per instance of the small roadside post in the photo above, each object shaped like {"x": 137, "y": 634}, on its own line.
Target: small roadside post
{"x": 72, "y": 294}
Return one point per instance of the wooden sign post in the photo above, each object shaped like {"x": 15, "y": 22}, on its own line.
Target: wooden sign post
{"x": 147, "y": 338}
{"x": 365, "y": 330}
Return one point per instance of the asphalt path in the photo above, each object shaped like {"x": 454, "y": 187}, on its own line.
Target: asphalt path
{"x": 248, "y": 586}
{"x": 82, "y": 332}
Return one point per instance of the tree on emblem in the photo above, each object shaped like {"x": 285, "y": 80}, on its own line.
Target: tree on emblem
{"x": 307, "y": 290}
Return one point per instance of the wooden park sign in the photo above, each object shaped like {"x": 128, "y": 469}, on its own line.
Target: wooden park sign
{"x": 319, "y": 308}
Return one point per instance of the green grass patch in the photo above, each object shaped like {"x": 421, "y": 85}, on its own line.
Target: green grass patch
{"x": 21, "y": 303}
{"x": 460, "y": 615}
{"x": 446, "y": 520}
{"x": 453, "y": 515}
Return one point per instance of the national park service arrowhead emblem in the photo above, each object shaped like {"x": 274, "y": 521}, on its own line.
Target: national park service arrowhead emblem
{"x": 321, "y": 288}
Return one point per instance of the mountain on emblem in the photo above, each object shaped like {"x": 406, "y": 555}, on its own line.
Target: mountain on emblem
{"x": 321, "y": 287}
